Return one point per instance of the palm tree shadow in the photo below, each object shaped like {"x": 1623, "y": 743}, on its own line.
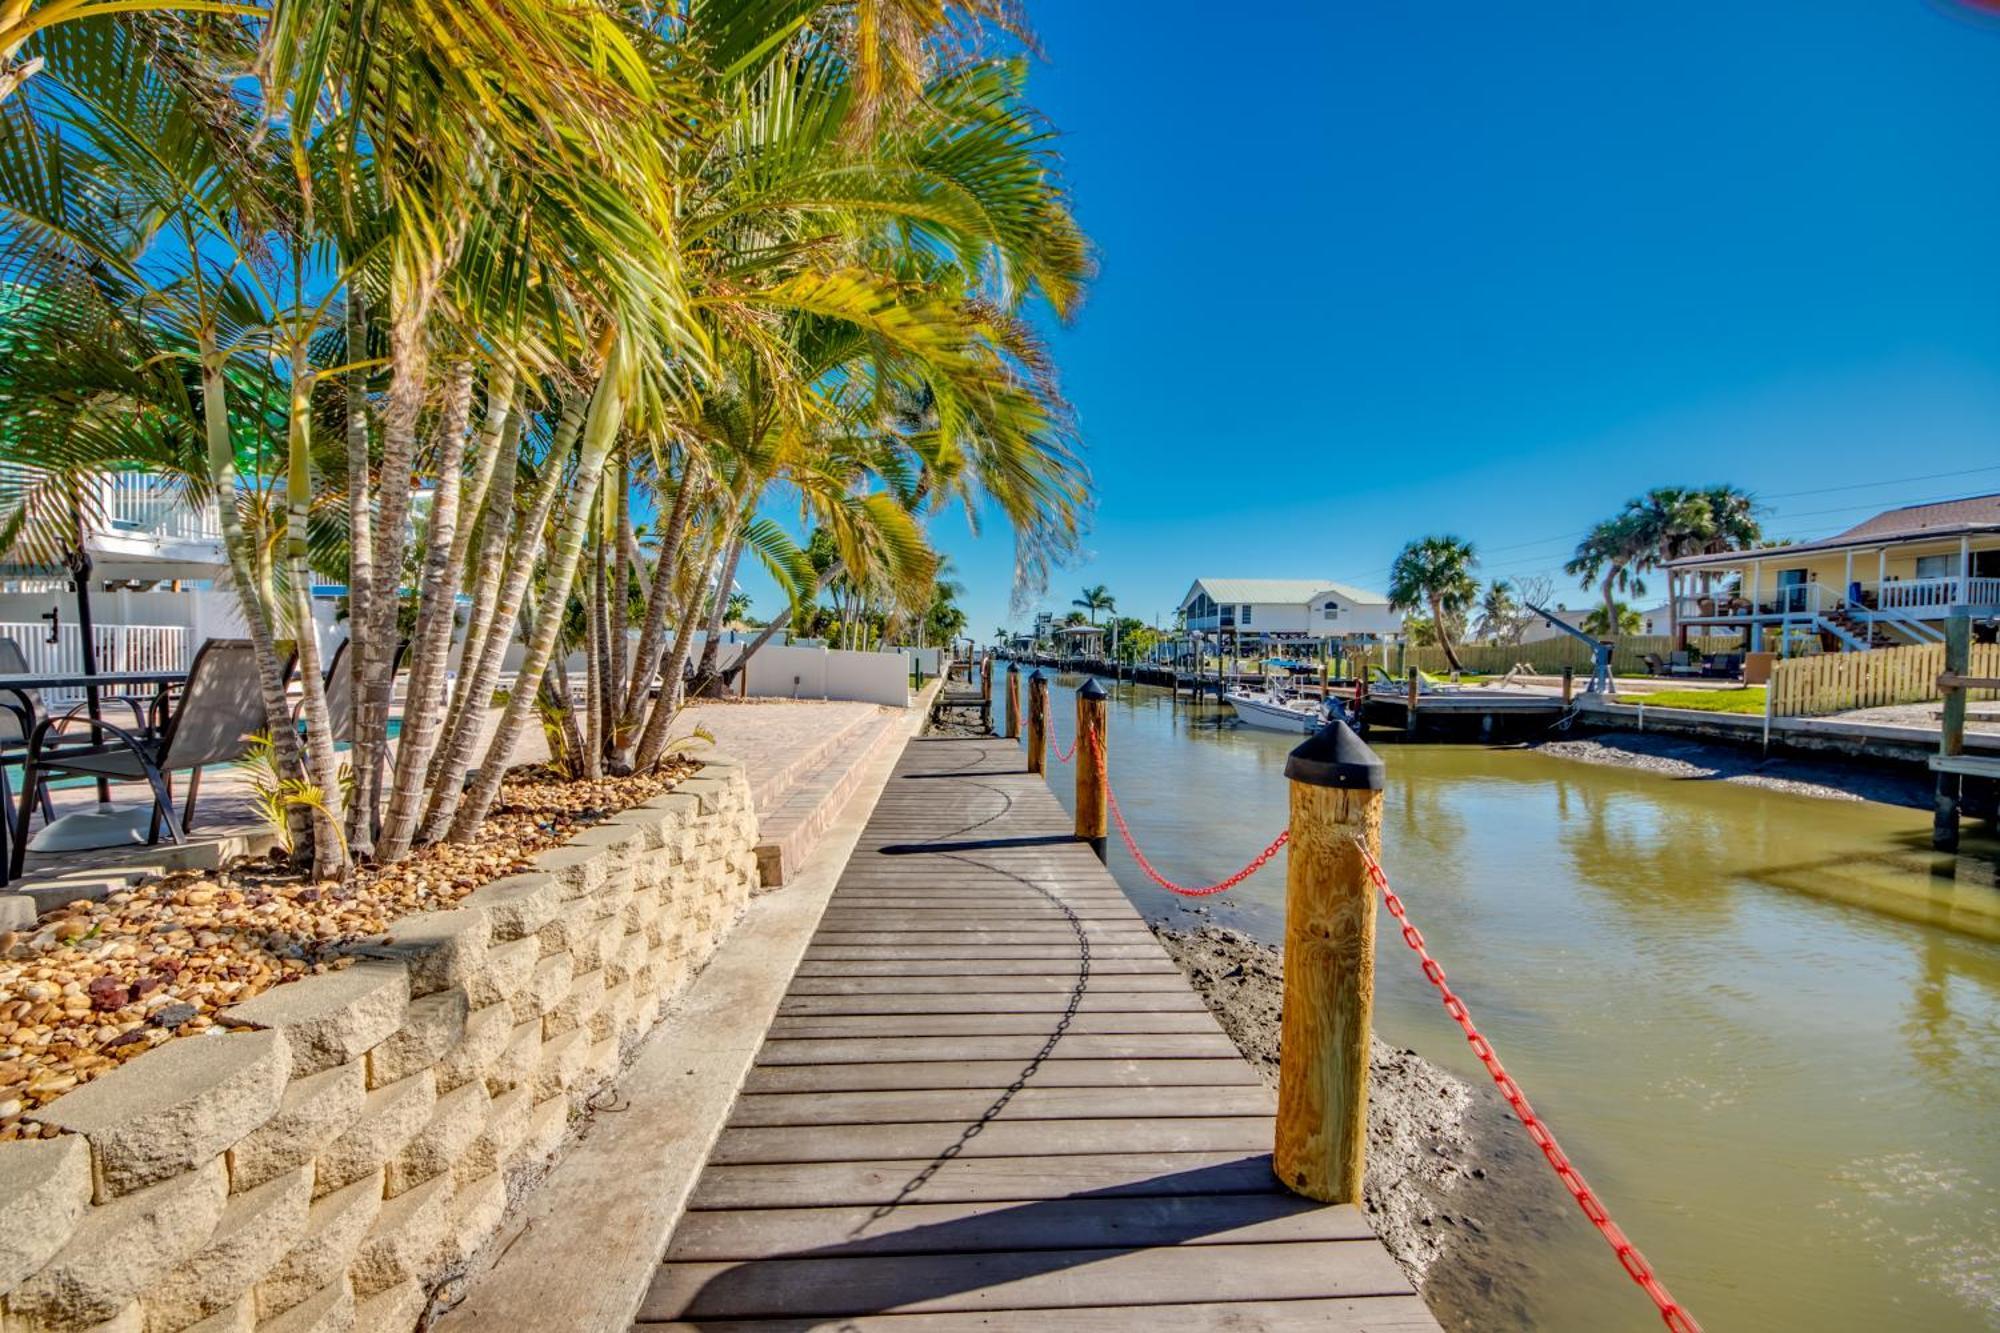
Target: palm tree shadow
{"x": 895, "y": 1270}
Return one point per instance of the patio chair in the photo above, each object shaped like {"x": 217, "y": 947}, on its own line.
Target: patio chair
{"x": 19, "y": 710}
{"x": 221, "y": 706}
{"x": 1655, "y": 666}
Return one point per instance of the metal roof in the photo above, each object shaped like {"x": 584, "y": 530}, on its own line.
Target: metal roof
{"x": 1948, "y": 518}
{"x": 1288, "y": 592}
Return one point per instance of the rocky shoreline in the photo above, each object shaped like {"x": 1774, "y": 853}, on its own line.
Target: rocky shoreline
{"x": 1451, "y": 1177}
{"x": 1694, "y": 760}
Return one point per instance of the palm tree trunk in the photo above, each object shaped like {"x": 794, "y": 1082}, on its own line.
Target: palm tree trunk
{"x": 653, "y": 740}
{"x": 1444, "y": 634}
{"x": 360, "y": 547}
{"x": 240, "y": 548}
{"x": 1610, "y": 606}
{"x": 528, "y": 538}
{"x": 652, "y": 631}
{"x": 621, "y": 583}
{"x": 322, "y": 766}
{"x": 600, "y": 433}
{"x": 711, "y": 650}
{"x": 423, "y": 700}
{"x": 784, "y": 617}
{"x": 595, "y": 662}
{"x": 494, "y": 528}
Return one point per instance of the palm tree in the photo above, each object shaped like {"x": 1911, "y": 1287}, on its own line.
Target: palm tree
{"x": 1607, "y": 556}
{"x": 1096, "y": 598}
{"x": 1499, "y": 612}
{"x": 1624, "y": 621}
{"x": 1435, "y": 572}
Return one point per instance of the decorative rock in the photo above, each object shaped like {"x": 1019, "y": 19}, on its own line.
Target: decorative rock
{"x": 390, "y": 1118}
{"x": 335, "y": 1017}
{"x": 487, "y": 1032}
{"x": 456, "y": 1122}
{"x": 121, "y": 1248}
{"x": 395, "y": 1310}
{"x": 517, "y": 906}
{"x": 563, "y": 1059}
{"x": 406, "y": 1236}
{"x": 506, "y": 1125}
{"x": 441, "y": 949}
{"x": 17, "y": 911}
{"x": 329, "y": 1310}
{"x": 316, "y": 1110}
{"x": 173, "y": 1108}
{"x": 577, "y": 870}
{"x": 335, "y": 1228}
{"x": 431, "y": 1028}
{"x": 46, "y": 1186}
{"x": 508, "y": 967}
{"x": 254, "y": 1233}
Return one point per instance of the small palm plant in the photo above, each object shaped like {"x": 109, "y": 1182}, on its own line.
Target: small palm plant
{"x": 275, "y": 794}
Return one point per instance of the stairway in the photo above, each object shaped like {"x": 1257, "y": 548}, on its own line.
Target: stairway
{"x": 797, "y": 805}
{"x": 1869, "y": 632}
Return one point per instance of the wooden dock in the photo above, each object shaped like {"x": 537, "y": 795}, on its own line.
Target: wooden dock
{"x": 990, "y": 1101}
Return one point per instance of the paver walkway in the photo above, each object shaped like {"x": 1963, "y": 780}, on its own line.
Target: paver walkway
{"x": 990, "y": 1101}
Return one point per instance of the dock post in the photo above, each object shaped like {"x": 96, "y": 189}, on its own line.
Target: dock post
{"x": 986, "y": 680}
{"x": 1410, "y": 714}
{"x": 1013, "y": 700}
{"x": 1322, "y": 1127}
{"x": 1038, "y": 722}
{"x": 1093, "y": 778}
{"x": 1569, "y": 685}
{"x": 1951, "y": 732}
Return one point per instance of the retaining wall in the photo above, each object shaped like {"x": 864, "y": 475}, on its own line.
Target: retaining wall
{"x": 351, "y": 1140}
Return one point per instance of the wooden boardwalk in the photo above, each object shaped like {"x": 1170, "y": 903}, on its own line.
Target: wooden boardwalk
{"x": 990, "y": 1101}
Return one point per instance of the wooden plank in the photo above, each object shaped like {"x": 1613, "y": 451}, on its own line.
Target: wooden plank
{"x": 986, "y": 1025}
{"x": 1030, "y": 1103}
{"x": 933, "y": 1228}
{"x": 875, "y": 1050}
{"x": 892, "y": 1075}
{"x": 1018, "y": 1280}
{"x": 1093, "y": 1001}
{"x": 1053, "y": 951}
{"x": 870, "y": 1184}
{"x": 992, "y": 967}
{"x": 1372, "y": 1314}
{"x": 989, "y": 983}
{"x": 921, "y": 1141}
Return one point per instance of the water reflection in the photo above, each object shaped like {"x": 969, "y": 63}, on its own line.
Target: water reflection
{"x": 1767, "y": 1026}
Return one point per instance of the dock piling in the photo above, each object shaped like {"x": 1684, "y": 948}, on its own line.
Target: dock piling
{"x": 1569, "y": 685}
{"x": 1092, "y": 765}
{"x": 1951, "y": 733}
{"x": 1038, "y": 722}
{"x": 986, "y": 679}
{"x": 1410, "y": 716}
{"x": 1322, "y": 1126}
{"x": 1013, "y": 700}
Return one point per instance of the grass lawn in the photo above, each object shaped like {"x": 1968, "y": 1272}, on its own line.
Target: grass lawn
{"x": 1748, "y": 699}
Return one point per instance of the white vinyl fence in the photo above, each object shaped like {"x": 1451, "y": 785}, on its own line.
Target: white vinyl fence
{"x": 119, "y": 648}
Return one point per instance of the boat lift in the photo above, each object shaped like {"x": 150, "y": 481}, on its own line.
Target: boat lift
{"x": 1601, "y": 681}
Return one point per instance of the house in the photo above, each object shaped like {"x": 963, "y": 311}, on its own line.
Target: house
{"x": 1890, "y": 580}
{"x": 1652, "y": 620}
{"x": 1287, "y": 609}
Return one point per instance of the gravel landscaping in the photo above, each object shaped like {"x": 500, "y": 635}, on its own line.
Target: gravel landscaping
{"x": 97, "y": 983}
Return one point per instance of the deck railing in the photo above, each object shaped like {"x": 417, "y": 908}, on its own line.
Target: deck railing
{"x": 1822, "y": 683}
{"x": 146, "y": 504}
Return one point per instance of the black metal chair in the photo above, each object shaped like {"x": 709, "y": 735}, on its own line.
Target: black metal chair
{"x": 19, "y": 712}
{"x": 221, "y": 706}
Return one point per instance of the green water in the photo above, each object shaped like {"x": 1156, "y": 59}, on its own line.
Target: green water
{"x": 1766, "y": 1026}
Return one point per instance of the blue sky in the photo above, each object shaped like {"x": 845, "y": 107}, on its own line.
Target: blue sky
{"x": 1377, "y": 270}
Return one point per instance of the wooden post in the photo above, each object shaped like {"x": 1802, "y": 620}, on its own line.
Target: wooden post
{"x": 1038, "y": 722}
{"x": 1322, "y": 1128}
{"x": 1013, "y": 700}
{"x": 1951, "y": 732}
{"x": 986, "y": 679}
{"x": 1569, "y": 684}
{"x": 1410, "y": 714}
{"x": 1092, "y": 768}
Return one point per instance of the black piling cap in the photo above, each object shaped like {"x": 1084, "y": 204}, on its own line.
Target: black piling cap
{"x": 1334, "y": 756}
{"x": 1037, "y": 676}
{"x": 1091, "y": 690}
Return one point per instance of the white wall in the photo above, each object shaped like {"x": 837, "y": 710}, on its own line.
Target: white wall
{"x": 830, "y": 673}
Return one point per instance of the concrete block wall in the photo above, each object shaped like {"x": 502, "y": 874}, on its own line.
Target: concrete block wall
{"x": 347, "y": 1142}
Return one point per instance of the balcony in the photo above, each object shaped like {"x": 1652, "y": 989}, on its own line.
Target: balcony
{"x": 145, "y": 527}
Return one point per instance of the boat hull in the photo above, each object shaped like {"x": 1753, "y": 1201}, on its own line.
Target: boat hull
{"x": 1254, "y": 712}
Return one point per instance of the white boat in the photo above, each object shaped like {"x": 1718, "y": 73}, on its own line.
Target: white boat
{"x": 1261, "y": 708}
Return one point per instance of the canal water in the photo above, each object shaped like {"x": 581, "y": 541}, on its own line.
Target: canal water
{"x": 1763, "y": 1024}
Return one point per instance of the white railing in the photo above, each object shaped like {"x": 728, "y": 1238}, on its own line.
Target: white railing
{"x": 145, "y": 504}
{"x": 1982, "y": 592}
{"x": 119, "y": 648}
{"x": 1906, "y": 594}
{"x": 1793, "y": 599}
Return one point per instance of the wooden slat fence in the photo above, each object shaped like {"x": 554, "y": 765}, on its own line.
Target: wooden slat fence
{"x": 1835, "y": 682}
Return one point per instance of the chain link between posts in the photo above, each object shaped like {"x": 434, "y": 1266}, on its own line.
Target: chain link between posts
{"x": 1634, "y": 1263}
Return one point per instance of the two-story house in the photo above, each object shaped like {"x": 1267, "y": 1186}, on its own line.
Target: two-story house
{"x": 1887, "y": 581}
{"x": 1287, "y": 610}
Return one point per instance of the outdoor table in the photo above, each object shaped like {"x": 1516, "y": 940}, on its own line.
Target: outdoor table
{"x": 91, "y": 685}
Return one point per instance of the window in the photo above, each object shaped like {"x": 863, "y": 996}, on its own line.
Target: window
{"x": 1936, "y": 566}
{"x": 1331, "y": 611}
{"x": 1245, "y": 619}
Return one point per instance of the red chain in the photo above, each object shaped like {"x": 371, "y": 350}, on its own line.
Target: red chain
{"x": 1641, "y": 1272}
{"x": 1062, "y": 758}
{"x": 1186, "y": 891}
